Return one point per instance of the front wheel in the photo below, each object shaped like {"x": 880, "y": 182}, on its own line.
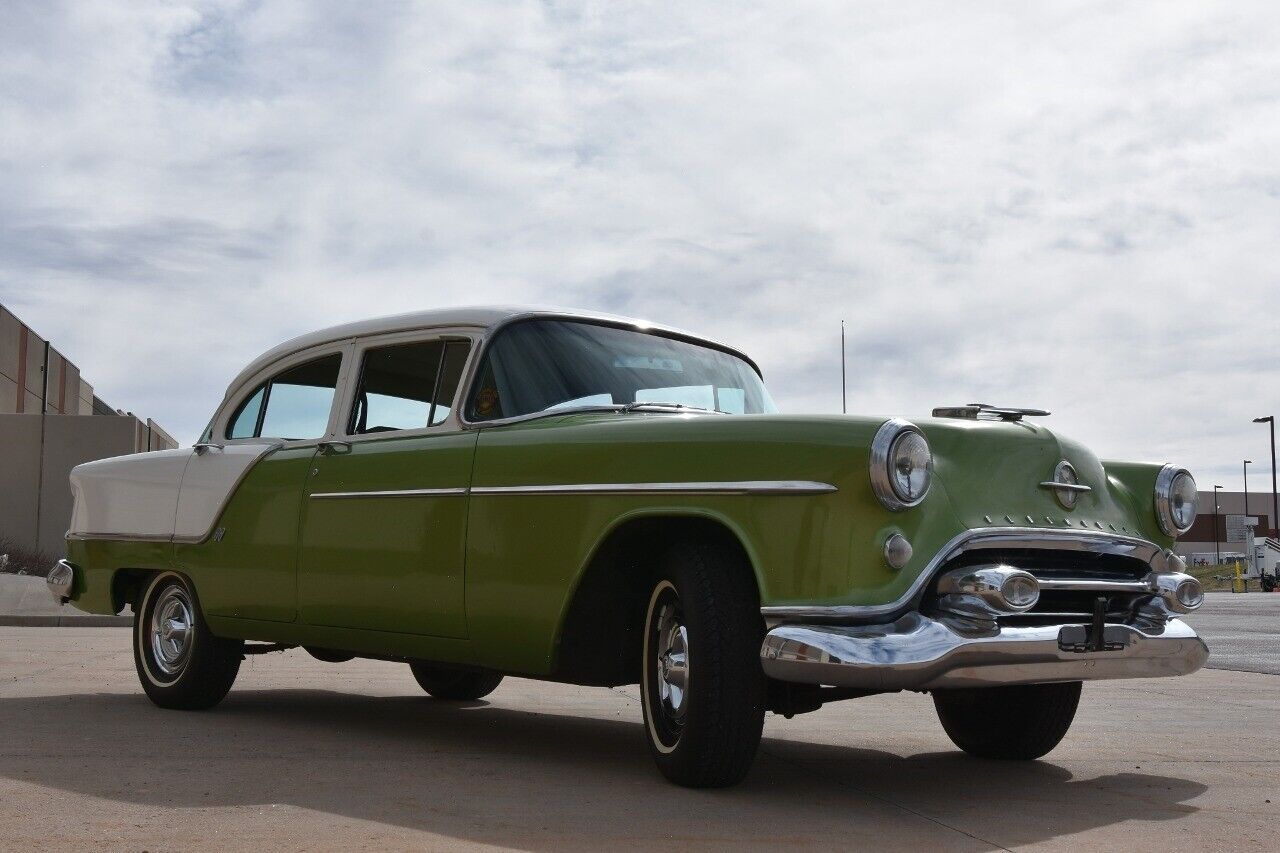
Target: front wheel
{"x": 701, "y": 684}
{"x": 1019, "y": 722}
{"x": 180, "y": 663}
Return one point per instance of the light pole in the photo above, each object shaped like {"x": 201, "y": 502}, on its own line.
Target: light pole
{"x": 1245, "y": 466}
{"x": 1275, "y": 496}
{"x": 1217, "y": 552}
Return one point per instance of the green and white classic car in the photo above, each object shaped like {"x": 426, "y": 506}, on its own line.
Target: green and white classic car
{"x": 594, "y": 500}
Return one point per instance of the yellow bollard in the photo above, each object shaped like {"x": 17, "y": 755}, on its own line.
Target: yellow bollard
{"x": 1237, "y": 585}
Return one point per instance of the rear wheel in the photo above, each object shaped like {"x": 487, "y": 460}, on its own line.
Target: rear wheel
{"x": 701, "y": 684}
{"x": 455, "y": 684}
{"x": 180, "y": 663}
{"x": 1019, "y": 722}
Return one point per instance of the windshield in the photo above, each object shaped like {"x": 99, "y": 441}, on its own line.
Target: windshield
{"x": 546, "y": 365}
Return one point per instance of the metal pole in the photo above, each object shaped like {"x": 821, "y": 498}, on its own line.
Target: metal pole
{"x": 1249, "y": 555}
{"x": 44, "y": 400}
{"x": 1275, "y": 495}
{"x": 1217, "y": 551}
{"x": 844, "y": 392}
{"x": 1245, "y": 467}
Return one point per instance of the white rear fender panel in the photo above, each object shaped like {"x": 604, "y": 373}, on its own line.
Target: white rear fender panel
{"x": 133, "y": 496}
{"x": 163, "y": 495}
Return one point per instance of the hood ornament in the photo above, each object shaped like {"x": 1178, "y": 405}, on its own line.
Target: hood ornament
{"x": 985, "y": 411}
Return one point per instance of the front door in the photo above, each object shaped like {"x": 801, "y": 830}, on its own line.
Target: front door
{"x": 383, "y": 537}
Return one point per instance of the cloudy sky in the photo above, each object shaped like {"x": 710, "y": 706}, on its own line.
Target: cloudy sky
{"x": 1070, "y": 206}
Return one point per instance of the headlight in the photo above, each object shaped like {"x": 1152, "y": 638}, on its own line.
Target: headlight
{"x": 1175, "y": 500}
{"x": 901, "y": 465}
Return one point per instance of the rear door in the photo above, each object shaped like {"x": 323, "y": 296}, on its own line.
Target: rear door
{"x": 236, "y": 529}
{"x": 383, "y": 538}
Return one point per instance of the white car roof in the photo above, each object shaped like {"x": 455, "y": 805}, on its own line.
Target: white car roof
{"x": 479, "y": 317}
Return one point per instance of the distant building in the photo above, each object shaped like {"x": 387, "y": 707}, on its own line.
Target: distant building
{"x": 1199, "y": 543}
{"x": 51, "y": 421}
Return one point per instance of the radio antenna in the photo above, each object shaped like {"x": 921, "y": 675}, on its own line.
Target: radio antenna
{"x": 844, "y": 392}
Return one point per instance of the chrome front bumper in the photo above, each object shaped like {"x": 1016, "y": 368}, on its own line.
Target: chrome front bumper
{"x": 920, "y": 653}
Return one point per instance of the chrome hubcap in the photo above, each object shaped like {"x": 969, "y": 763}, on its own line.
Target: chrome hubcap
{"x": 672, "y": 662}
{"x": 171, "y": 625}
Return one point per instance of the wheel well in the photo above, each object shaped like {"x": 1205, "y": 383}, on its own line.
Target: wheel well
{"x": 127, "y": 586}
{"x": 600, "y": 638}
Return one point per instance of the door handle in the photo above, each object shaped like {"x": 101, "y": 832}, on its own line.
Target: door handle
{"x": 334, "y": 446}
{"x": 201, "y": 446}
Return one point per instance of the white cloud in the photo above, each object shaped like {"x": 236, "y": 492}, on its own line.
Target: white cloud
{"x": 1074, "y": 207}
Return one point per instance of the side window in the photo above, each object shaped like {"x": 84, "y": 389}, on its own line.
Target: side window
{"x": 407, "y": 386}
{"x": 245, "y": 423}
{"x": 291, "y": 405}
{"x": 455, "y": 359}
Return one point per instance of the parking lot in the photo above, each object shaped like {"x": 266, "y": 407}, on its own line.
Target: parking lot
{"x": 304, "y": 754}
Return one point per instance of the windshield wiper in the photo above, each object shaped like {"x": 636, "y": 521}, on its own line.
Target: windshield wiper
{"x": 640, "y": 406}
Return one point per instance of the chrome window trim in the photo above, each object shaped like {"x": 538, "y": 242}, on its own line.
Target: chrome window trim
{"x": 881, "y": 446}
{"x": 973, "y": 540}
{"x": 362, "y": 345}
{"x": 236, "y": 395}
{"x": 1164, "y": 512}
{"x": 480, "y": 349}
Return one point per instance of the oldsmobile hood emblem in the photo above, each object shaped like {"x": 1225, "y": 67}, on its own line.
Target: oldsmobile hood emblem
{"x": 1066, "y": 485}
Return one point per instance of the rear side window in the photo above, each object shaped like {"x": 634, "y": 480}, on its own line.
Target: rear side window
{"x": 245, "y": 423}
{"x": 291, "y": 405}
{"x": 407, "y": 386}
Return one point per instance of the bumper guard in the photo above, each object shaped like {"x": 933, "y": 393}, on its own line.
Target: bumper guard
{"x": 60, "y": 580}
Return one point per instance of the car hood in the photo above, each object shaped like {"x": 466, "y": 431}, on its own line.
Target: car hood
{"x": 991, "y": 472}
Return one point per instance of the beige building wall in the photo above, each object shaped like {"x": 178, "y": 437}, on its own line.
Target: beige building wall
{"x": 85, "y": 406}
{"x": 21, "y": 363}
{"x": 37, "y": 453}
{"x": 35, "y": 498}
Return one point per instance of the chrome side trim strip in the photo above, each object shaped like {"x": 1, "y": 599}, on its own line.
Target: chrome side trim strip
{"x": 393, "y": 493}
{"x": 120, "y": 537}
{"x": 745, "y": 487}
{"x": 987, "y": 538}
{"x": 1066, "y": 487}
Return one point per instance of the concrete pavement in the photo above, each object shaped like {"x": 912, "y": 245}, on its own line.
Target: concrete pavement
{"x": 1242, "y": 630}
{"x": 304, "y": 754}
{"x": 25, "y": 600}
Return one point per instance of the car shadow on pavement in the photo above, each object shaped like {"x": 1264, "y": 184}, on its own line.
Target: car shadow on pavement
{"x": 485, "y": 773}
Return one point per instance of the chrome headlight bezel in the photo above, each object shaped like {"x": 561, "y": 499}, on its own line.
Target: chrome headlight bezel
{"x": 1165, "y": 481}
{"x": 883, "y": 458}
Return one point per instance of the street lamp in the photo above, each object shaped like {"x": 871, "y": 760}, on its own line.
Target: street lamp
{"x": 1275, "y": 496}
{"x": 1245, "y": 466}
{"x": 1217, "y": 552}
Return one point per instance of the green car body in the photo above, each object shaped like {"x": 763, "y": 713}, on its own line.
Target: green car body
{"x": 501, "y": 594}
{"x": 561, "y": 496}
